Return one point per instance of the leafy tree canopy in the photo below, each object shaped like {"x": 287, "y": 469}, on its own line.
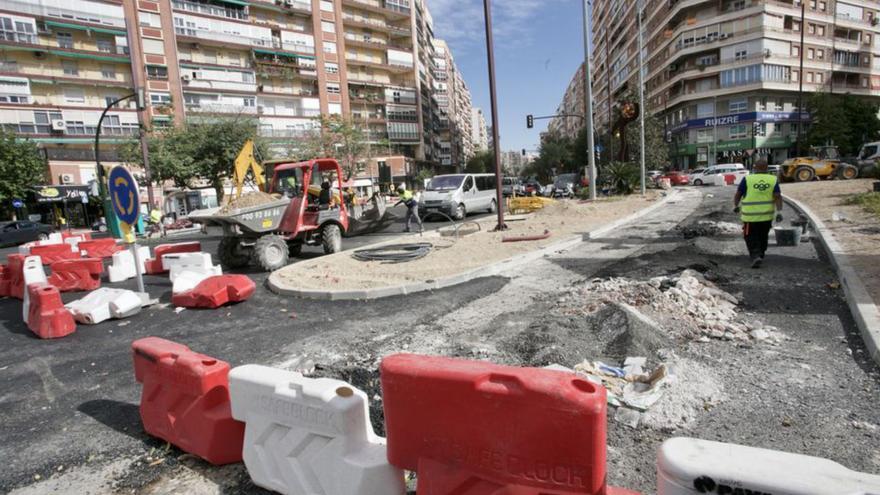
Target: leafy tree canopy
{"x": 21, "y": 167}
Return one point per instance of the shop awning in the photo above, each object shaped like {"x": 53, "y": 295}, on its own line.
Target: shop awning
{"x": 80, "y": 27}
{"x": 89, "y": 56}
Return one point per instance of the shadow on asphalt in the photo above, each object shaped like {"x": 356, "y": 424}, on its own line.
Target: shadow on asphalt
{"x": 122, "y": 417}
{"x": 14, "y": 324}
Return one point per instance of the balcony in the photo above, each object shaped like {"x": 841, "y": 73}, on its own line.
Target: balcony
{"x": 287, "y": 133}
{"x": 70, "y": 14}
{"x": 219, "y": 85}
{"x": 235, "y": 39}
{"x": 226, "y": 10}
{"x": 18, "y": 36}
{"x": 380, "y": 7}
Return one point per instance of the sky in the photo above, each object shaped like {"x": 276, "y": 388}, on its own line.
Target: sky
{"x": 538, "y": 47}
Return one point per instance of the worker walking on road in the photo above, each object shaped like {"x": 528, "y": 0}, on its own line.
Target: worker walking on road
{"x": 757, "y": 200}
{"x": 406, "y": 197}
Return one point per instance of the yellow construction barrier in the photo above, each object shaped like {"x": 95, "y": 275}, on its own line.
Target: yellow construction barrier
{"x": 527, "y": 204}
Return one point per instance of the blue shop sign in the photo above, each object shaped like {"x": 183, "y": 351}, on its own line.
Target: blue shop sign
{"x": 740, "y": 118}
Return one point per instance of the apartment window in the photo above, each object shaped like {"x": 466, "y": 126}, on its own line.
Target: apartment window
{"x": 813, "y": 4}
{"x": 65, "y": 40}
{"x": 820, "y": 30}
{"x": 70, "y": 68}
{"x": 109, "y": 101}
{"x": 105, "y": 45}
{"x": 779, "y": 105}
{"x": 738, "y": 106}
{"x": 156, "y": 47}
{"x": 704, "y": 136}
{"x": 328, "y": 27}
{"x": 868, "y": 38}
{"x": 108, "y": 72}
{"x": 234, "y": 59}
{"x": 147, "y": 19}
{"x": 248, "y": 77}
{"x": 820, "y": 54}
{"x": 13, "y": 99}
{"x": 157, "y": 72}
{"x": 820, "y": 78}
{"x": 331, "y": 68}
{"x": 796, "y": 51}
{"x": 329, "y": 47}
{"x": 74, "y": 95}
{"x": 864, "y": 82}
{"x": 740, "y": 54}
{"x": 795, "y": 76}
{"x": 809, "y": 77}
{"x": 737, "y": 131}
{"x": 333, "y": 88}
{"x": 326, "y": 6}
{"x": 811, "y": 28}
{"x": 249, "y": 101}
{"x": 334, "y": 109}
{"x": 160, "y": 99}
{"x": 759, "y": 130}
{"x": 705, "y": 109}
{"x": 811, "y": 54}
{"x": 210, "y": 56}
{"x": 796, "y": 26}
{"x": 823, "y": 6}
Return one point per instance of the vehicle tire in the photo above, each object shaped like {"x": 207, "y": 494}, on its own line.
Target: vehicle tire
{"x": 847, "y": 172}
{"x": 230, "y": 255}
{"x": 698, "y": 182}
{"x": 804, "y": 174}
{"x": 331, "y": 238}
{"x": 42, "y": 237}
{"x": 493, "y": 207}
{"x": 270, "y": 253}
{"x": 460, "y": 212}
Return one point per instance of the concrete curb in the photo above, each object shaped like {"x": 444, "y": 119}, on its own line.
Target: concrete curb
{"x": 861, "y": 305}
{"x": 484, "y": 271}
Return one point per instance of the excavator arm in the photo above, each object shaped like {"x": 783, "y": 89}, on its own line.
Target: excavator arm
{"x": 246, "y": 161}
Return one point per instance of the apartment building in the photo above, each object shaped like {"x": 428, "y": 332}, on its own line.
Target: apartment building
{"x": 284, "y": 62}
{"x": 479, "y": 130}
{"x": 724, "y": 76}
{"x": 453, "y": 109}
{"x": 569, "y": 114}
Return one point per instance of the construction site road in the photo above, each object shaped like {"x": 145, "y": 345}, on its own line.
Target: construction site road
{"x": 69, "y": 408}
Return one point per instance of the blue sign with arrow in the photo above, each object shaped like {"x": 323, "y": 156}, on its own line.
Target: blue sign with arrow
{"x": 124, "y": 195}
{"x": 17, "y": 203}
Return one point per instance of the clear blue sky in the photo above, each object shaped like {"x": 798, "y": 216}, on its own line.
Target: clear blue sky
{"x": 538, "y": 48}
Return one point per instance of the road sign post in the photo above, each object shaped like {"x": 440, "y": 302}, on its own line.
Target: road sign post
{"x": 126, "y": 205}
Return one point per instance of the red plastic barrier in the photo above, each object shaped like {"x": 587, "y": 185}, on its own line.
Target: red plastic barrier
{"x": 154, "y": 264}
{"x": 100, "y": 248}
{"x": 185, "y": 400}
{"x": 4, "y": 281}
{"x": 47, "y": 316}
{"x": 216, "y": 291}
{"x": 50, "y": 253}
{"x": 476, "y": 428}
{"x": 13, "y": 276}
{"x": 84, "y": 234}
{"x": 81, "y": 274}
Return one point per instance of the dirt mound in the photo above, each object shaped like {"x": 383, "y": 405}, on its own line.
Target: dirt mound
{"x": 246, "y": 201}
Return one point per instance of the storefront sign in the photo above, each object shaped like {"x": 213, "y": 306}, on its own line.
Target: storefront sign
{"x": 52, "y": 194}
{"x": 740, "y": 118}
{"x": 735, "y": 145}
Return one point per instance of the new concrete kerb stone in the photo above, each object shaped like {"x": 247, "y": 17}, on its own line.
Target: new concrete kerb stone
{"x": 861, "y": 305}
{"x": 460, "y": 278}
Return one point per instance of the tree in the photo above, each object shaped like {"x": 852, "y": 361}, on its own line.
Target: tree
{"x": 847, "y": 121}
{"x": 22, "y": 166}
{"x": 202, "y": 149}
{"x": 554, "y": 157}
{"x": 656, "y": 147}
{"x": 482, "y": 162}
{"x": 342, "y": 139}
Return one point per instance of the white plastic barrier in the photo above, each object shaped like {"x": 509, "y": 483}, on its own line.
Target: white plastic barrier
{"x": 688, "y": 466}
{"x": 74, "y": 242}
{"x": 307, "y": 436}
{"x": 32, "y": 273}
{"x": 187, "y": 281}
{"x": 177, "y": 263}
{"x": 105, "y": 303}
{"x": 55, "y": 238}
{"x": 122, "y": 267}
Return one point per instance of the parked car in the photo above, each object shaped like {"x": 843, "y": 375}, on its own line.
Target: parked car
{"x": 565, "y": 185}
{"x": 548, "y": 191}
{"x": 708, "y": 175}
{"x": 18, "y": 232}
{"x": 457, "y": 195}
{"x": 533, "y": 188}
{"x": 511, "y": 186}
{"x": 676, "y": 178}
{"x": 651, "y": 176}
{"x": 693, "y": 174}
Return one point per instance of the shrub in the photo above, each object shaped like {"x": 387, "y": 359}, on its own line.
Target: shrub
{"x": 621, "y": 177}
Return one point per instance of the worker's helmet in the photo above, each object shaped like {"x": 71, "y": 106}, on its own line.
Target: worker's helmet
{"x": 401, "y": 188}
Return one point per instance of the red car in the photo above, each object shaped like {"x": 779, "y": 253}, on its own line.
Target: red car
{"x": 675, "y": 177}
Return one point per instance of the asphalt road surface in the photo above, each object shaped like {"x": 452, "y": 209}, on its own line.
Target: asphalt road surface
{"x": 68, "y": 408}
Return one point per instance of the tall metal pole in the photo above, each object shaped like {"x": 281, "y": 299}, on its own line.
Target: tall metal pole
{"x": 490, "y": 53}
{"x": 642, "y": 109}
{"x": 800, "y": 122}
{"x": 135, "y": 54}
{"x": 588, "y": 95}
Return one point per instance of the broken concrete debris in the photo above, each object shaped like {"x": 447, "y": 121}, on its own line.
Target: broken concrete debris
{"x": 684, "y": 305}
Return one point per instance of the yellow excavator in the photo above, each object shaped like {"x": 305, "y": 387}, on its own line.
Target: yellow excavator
{"x": 244, "y": 162}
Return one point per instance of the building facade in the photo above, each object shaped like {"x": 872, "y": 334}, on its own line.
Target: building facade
{"x": 569, "y": 114}
{"x": 453, "y": 103}
{"x": 724, "y": 76}
{"x": 479, "y": 130}
{"x": 284, "y": 62}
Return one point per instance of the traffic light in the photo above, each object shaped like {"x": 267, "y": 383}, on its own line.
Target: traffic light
{"x": 523, "y": 152}
{"x": 530, "y": 121}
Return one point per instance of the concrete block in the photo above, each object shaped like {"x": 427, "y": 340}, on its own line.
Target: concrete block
{"x": 306, "y": 436}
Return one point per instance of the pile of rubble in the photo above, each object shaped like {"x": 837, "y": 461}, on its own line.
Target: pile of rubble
{"x": 684, "y": 305}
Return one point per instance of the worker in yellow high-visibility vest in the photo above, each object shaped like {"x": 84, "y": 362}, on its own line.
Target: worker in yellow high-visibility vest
{"x": 758, "y": 200}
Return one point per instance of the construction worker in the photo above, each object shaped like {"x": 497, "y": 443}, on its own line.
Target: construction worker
{"x": 406, "y": 197}
{"x": 757, "y": 200}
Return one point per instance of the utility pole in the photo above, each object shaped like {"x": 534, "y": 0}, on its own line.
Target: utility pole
{"x": 138, "y": 83}
{"x": 490, "y": 54}
{"x": 643, "y": 110}
{"x": 800, "y": 122}
{"x": 588, "y": 95}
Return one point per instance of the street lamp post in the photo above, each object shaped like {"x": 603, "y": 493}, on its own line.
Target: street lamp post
{"x": 643, "y": 110}
{"x": 588, "y": 107}
{"x": 490, "y": 54}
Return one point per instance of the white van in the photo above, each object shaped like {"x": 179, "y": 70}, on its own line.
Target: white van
{"x": 709, "y": 173}
{"x": 457, "y": 195}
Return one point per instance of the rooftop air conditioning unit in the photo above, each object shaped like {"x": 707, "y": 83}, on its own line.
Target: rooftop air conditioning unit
{"x": 59, "y": 125}
{"x": 67, "y": 178}
{"x": 186, "y": 77}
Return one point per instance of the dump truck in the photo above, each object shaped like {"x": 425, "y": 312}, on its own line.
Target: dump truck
{"x": 824, "y": 162}
{"x": 281, "y": 222}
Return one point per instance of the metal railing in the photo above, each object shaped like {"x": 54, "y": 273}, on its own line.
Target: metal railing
{"x": 62, "y": 13}
{"x": 18, "y": 37}
{"x": 210, "y": 9}
{"x": 288, "y": 133}
{"x": 228, "y": 38}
